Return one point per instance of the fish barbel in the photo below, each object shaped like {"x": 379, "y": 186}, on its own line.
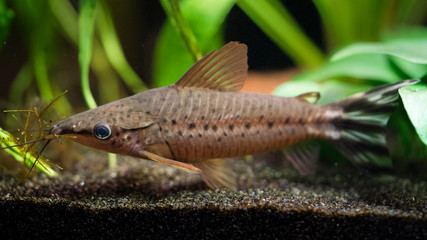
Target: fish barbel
{"x": 202, "y": 119}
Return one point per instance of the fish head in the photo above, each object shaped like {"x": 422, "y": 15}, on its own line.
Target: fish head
{"x": 100, "y": 131}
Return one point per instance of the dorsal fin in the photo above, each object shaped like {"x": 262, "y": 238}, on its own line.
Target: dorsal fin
{"x": 223, "y": 70}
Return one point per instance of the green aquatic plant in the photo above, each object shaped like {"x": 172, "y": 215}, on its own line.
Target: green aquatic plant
{"x": 24, "y": 155}
{"x": 361, "y": 65}
{"x": 96, "y": 40}
{"x": 86, "y": 26}
{"x": 45, "y": 23}
{"x": 32, "y": 133}
{"x": 181, "y": 27}
{"x": 176, "y": 49}
{"x": 381, "y": 47}
{"x": 277, "y": 23}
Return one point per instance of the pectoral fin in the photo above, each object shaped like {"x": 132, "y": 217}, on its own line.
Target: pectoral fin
{"x": 217, "y": 173}
{"x": 171, "y": 162}
{"x": 303, "y": 156}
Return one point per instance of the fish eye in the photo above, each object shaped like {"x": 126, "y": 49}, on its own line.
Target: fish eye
{"x": 102, "y": 131}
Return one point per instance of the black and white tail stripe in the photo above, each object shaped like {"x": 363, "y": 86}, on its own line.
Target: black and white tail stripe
{"x": 362, "y": 124}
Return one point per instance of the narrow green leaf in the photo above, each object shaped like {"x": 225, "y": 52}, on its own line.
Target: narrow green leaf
{"x": 35, "y": 20}
{"x": 273, "y": 18}
{"x": 20, "y": 154}
{"x": 68, "y": 20}
{"x": 414, "y": 99}
{"x": 114, "y": 51}
{"x": 41, "y": 73}
{"x": 86, "y": 25}
{"x": 410, "y": 69}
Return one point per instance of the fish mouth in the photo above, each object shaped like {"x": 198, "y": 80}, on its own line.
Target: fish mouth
{"x": 64, "y": 130}
{"x": 56, "y": 130}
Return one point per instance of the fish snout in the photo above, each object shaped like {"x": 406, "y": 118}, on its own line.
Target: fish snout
{"x": 55, "y": 130}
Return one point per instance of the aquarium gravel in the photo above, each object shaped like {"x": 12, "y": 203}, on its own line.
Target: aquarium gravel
{"x": 142, "y": 199}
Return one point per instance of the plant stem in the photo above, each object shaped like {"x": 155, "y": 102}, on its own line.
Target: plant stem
{"x": 40, "y": 69}
{"x": 273, "y": 18}
{"x": 181, "y": 26}
{"x": 86, "y": 25}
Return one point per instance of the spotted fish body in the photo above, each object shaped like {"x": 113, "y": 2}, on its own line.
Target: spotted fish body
{"x": 212, "y": 124}
{"x": 202, "y": 119}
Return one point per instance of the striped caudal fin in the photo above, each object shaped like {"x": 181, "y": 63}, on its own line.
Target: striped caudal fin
{"x": 362, "y": 124}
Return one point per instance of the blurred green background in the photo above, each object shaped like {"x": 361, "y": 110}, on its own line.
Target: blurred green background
{"x": 104, "y": 50}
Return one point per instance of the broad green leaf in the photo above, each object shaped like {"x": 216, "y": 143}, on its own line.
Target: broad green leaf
{"x": 409, "y": 69}
{"x": 182, "y": 28}
{"x": 412, "y": 50}
{"x": 330, "y": 91}
{"x": 370, "y": 67}
{"x": 367, "y": 67}
{"x": 414, "y": 99}
{"x": 171, "y": 58}
{"x": 404, "y": 143}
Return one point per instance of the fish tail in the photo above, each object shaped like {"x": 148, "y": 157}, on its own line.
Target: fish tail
{"x": 362, "y": 122}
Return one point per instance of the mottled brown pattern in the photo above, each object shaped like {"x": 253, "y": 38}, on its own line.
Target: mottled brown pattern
{"x": 193, "y": 124}
{"x": 202, "y": 123}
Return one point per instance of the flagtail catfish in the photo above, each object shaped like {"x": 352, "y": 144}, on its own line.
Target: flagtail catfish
{"x": 202, "y": 119}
